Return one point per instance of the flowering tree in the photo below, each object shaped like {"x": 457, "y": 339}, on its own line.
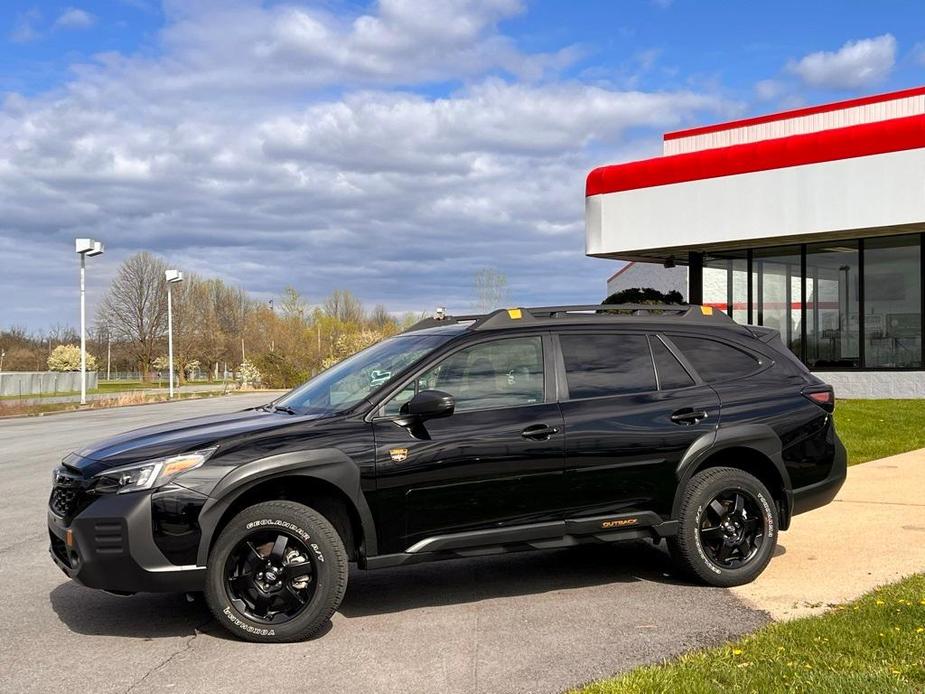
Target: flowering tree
{"x": 67, "y": 358}
{"x": 249, "y": 375}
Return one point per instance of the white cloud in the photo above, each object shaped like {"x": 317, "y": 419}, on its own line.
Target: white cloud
{"x": 769, "y": 90}
{"x": 366, "y": 185}
{"x": 856, "y": 64}
{"x": 74, "y": 18}
{"x": 25, "y": 30}
{"x": 919, "y": 52}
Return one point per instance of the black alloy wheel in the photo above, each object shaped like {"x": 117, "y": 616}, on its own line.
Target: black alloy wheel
{"x": 727, "y": 527}
{"x": 270, "y": 576}
{"x": 277, "y": 573}
{"x": 732, "y": 528}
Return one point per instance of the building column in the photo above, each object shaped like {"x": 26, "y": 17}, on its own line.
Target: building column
{"x": 694, "y": 278}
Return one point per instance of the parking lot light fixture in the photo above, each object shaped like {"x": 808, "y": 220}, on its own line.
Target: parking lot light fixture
{"x": 172, "y": 277}
{"x": 84, "y": 248}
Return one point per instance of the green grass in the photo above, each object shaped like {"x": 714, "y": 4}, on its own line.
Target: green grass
{"x": 876, "y": 644}
{"x": 872, "y": 429}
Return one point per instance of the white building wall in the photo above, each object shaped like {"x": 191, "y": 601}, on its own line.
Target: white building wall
{"x": 649, "y": 275}
{"x": 847, "y": 195}
{"x": 800, "y": 125}
{"x": 875, "y": 384}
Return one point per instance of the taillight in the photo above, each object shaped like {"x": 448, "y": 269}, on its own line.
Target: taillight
{"x": 824, "y": 397}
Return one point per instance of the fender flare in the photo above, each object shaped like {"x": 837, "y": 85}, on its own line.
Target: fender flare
{"x": 758, "y": 437}
{"x": 328, "y": 464}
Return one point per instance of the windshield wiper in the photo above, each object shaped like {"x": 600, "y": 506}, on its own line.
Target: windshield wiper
{"x": 283, "y": 408}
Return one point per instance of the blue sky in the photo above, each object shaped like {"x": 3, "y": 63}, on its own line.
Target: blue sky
{"x": 392, "y": 148}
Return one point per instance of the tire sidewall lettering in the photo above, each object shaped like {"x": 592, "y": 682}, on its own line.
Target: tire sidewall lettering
{"x": 229, "y": 612}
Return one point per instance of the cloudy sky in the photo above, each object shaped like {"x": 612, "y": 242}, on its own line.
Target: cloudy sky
{"x": 391, "y": 147}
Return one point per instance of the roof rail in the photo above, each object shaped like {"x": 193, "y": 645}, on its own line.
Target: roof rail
{"x": 507, "y": 317}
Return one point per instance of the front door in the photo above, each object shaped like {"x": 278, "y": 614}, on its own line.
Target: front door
{"x": 497, "y": 461}
{"x": 628, "y": 424}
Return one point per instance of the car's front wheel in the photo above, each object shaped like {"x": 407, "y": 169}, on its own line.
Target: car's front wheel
{"x": 277, "y": 573}
{"x": 728, "y": 527}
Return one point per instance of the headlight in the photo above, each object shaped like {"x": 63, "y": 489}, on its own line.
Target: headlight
{"x": 150, "y": 474}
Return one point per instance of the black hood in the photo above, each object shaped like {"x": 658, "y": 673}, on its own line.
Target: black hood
{"x": 177, "y": 437}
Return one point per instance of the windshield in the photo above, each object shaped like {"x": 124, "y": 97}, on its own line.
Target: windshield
{"x": 351, "y": 381}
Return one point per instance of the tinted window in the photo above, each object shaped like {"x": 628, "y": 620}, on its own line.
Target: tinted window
{"x": 715, "y": 361}
{"x": 602, "y": 364}
{"x": 500, "y": 373}
{"x": 670, "y": 372}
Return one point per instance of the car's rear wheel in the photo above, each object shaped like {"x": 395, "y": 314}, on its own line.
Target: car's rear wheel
{"x": 277, "y": 573}
{"x": 728, "y": 527}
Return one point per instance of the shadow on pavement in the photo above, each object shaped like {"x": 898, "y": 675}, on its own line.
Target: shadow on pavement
{"x": 144, "y": 616}
{"x": 456, "y": 581}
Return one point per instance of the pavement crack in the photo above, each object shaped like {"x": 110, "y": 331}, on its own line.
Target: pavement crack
{"x": 20, "y": 543}
{"x": 187, "y": 645}
{"x": 879, "y": 503}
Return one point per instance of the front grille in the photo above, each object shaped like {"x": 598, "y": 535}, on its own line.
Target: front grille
{"x": 68, "y": 495}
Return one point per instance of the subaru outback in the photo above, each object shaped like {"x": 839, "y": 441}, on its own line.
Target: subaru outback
{"x": 519, "y": 429}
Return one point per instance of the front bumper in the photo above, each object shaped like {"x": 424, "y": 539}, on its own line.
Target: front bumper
{"x": 821, "y": 493}
{"x": 110, "y": 546}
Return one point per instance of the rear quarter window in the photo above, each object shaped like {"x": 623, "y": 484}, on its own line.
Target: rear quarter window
{"x": 715, "y": 361}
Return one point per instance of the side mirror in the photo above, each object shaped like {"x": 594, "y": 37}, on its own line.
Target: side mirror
{"x": 428, "y": 404}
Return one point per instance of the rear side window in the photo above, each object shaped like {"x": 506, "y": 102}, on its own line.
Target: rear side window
{"x": 602, "y": 364}
{"x": 670, "y": 372}
{"x": 715, "y": 361}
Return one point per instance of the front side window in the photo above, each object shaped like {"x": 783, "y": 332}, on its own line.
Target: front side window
{"x": 500, "y": 373}
{"x": 606, "y": 364}
{"x": 715, "y": 361}
{"x": 351, "y": 381}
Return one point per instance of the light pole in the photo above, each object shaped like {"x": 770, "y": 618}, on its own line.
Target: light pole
{"x": 84, "y": 248}
{"x": 173, "y": 277}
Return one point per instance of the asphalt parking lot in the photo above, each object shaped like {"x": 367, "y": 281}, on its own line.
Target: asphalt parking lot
{"x": 532, "y": 622}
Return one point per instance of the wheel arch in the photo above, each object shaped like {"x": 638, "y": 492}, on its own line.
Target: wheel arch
{"x": 755, "y": 449}
{"x": 328, "y": 481}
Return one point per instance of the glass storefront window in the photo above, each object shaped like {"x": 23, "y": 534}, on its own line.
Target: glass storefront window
{"x": 776, "y": 288}
{"x": 725, "y": 283}
{"x": 892, "y": 302}
{"x": 832, "y": 305}
{"x": 887, "y": 302}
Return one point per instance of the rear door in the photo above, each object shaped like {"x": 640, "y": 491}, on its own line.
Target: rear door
{"x": 496, "y": 462}
{"x": 631, "y": 410}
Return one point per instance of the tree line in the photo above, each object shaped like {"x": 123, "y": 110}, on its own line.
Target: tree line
{"x": 218, "y": 327}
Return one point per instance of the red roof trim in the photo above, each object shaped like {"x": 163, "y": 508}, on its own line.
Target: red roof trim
{"x": 795, "y": 113}
{"x": 618, "y": 272}
{"x": 828, "y": 145}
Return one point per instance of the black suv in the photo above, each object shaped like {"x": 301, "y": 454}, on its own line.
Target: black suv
{"x": 522, "y": 428}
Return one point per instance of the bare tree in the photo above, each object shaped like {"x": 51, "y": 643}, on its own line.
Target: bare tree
{"x": 490, "y": 289}
{"x": 380, "y": 317}
{"x": 344, "y": 306}
{"x": 136, "y": 307}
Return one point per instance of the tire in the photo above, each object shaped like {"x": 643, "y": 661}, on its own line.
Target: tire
{"x": 746, "y": 539}
{"x": 302, "y": 568}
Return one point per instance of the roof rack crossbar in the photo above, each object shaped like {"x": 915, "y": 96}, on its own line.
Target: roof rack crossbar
{"x": 506, "y": 317}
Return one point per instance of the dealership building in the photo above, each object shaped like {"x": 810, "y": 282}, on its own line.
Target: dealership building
{"x": 810, "y": 221}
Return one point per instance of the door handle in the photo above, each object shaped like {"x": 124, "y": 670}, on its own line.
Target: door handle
{"x": 688, "y": 416}
{"x": 539, "y": 432}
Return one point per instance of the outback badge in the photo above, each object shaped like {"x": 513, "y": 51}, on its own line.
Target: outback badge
{"x": 398, "y": 455}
